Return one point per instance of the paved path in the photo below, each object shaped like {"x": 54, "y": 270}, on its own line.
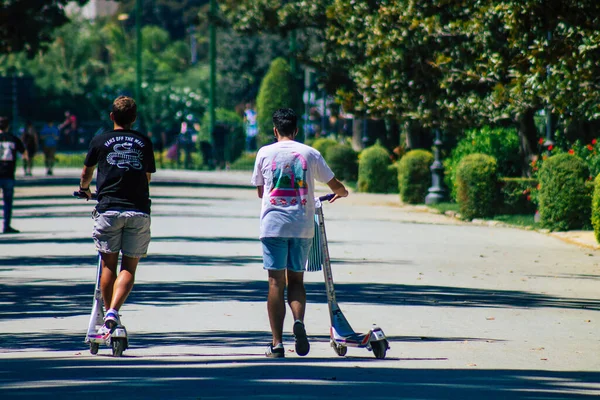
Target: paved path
{"x": 472, "y": 312}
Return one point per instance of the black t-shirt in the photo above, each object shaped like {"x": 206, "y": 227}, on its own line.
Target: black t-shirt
{"x": 123, "y": 157}
{"x": 9, "y": 146}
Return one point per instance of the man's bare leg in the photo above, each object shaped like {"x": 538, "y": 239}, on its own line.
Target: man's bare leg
{"x": 296, "y": 294}
{"x": 124, "y": 282}
{"x": 276, "y": 304}
{"x": 109, "y": 276}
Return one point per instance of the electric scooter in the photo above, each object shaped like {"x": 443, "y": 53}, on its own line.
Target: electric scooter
{"x": 117, "y": 338}
{"x": 341, "y": 333}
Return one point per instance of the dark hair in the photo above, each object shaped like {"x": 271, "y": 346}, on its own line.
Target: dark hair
{"x": 3, "y": 123}
{"x": 285, "y": 121}
{"x": 124, "y": 111}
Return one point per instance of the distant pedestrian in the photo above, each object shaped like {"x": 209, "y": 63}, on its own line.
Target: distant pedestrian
{"x": 69, "y": 130}
{"x": 49, "y": 136}
{"x": 29, "y": 137}
{"x": 284, "y": 174}
{"x": 10, "y": 145}
{"x": 251, "y": 127}
{"x": 158, "y": 136}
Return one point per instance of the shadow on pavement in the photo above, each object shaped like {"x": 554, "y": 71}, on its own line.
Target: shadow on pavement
{"x": 69, "y": 341}
{"x": 293, "y": 378}
{"x": 63, "y": 299}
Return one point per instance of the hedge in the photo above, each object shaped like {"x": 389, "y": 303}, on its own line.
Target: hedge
{"x": 322, "y": 145}
{"x": 564, "y": 199}
{"x": 476, "y": 186}
{"x": 414, "y": 176}
{"x": 516, "y": 195}
{"x": 343, "y": 160}
{"x": 376, "y": 174}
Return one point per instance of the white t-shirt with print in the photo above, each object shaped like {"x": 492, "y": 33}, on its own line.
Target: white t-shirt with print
{"x": 288, "y": 170}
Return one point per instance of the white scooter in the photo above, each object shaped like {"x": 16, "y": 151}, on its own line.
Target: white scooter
{"x": 341, "y": 333}
{"x": 117, "y": 338}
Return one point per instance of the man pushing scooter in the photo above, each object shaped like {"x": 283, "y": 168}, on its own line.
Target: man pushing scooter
{"x": 284, "y": 174}
{"x": 125, "y": 161}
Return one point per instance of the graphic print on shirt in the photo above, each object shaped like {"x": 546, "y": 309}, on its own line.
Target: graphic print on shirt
{"x": 7, "y": 151}
{"x": 125, "y": 156}
{"x": 289, "y": 180}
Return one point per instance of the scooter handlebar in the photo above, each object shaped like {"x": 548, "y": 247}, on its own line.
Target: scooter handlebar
{"x": 81, "y": 195}
{"x": 327, "y": 197}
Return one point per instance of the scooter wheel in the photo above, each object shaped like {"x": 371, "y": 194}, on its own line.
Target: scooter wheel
{"x": 379, "y": 348}
{"x": 94, "y": 348}
{"x": 118, "y": 347}
{"x": 339, "y": 350}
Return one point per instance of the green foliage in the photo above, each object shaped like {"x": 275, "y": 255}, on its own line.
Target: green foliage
{"x": 500, "y": 143}
{"x": 589, "y": 154}
{"x": 323, "y": 144}
{"x": 244, "y": 163}
{"x": 477, "y": 180}
{"x": 564, "y": 199}
{"x": 235, "y": 141}
{"x": 596, "y": 208}
{"x": 343, "y": 161}
{"x": 275, "y": 92}
{"x": 516, "y": 196}
{"x": 414, "y": 176}
{"x": 375, "y": 172}
{"x": 28, "y": 24}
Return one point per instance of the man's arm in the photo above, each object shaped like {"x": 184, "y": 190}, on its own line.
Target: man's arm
{"x": 86, "y": 180}
{"x": 260, "y": 190}
{"x": 149, "y": 176}
{"x": 337, "y": 188}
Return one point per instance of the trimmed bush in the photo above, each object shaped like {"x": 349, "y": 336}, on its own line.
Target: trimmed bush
{"x": 322, "y": 145}
{"x": 500, "y": 143}
{"x": 343, "y": 160}
{"x": 275, "y": 92}
{"x": 244, "y": 163}
{"x": 414, "y": 176}
{"x": 564, "y": 199}
{"x": 375, "y": 172}
{"x": 596, "y": 208}
{"x": 516, "y": 195}
{"x": 476, "y": 186}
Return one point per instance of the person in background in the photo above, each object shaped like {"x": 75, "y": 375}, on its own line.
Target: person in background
{"x": 29, "y": 137}
{"x": 251, "y": 127}
{"x": 10, "y": 145}
{"x": 69, "y": 129}
{"x": 49, "y": 136}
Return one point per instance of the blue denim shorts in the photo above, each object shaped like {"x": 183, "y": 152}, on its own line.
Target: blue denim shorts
{"x": 285, "y": 253}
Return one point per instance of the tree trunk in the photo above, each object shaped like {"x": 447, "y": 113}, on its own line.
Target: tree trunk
{"x": 414, "y": 135}
{"x": 528, "y": 136}
{"x": 357, "y": 134}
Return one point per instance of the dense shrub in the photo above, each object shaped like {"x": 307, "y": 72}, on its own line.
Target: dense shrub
{"x": 596, "y": 208}
{"x": 275, "y": 92}
{"x": 235, "y": 140}
{"x": 375, "y": 172}
{"x": 414, "y": 176}
{"x": 564, "y": 198}
{"x": 322, "y": 145}
{"x": 476, "y": 185}
{"x": 244, "y": 163}
{"x": 343, "y": 160}
{"x": 516, "y": 196}
{"x": 500, "y": 143}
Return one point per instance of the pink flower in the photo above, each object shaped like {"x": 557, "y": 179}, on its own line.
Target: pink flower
{"x": 541, "y": 141}
{"x": 594, "y": 141}
{"x": 550, "y": 148}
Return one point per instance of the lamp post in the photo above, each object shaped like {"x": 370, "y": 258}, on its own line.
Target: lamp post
{"x": 138, "y": 58}
{"x": 212, "y": 54}
{"x": 437, "y": 192}
{"x": 549, "y": 140}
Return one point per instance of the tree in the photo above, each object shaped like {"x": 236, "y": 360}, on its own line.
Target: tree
{"x": 27, "y": 25}
{"x": 275, "y": 92}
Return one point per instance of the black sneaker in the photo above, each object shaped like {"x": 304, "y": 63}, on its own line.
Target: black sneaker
{"x": 302, "y": 345}
{"x": 275, "y": 352}
{"x": 10, "y": 229}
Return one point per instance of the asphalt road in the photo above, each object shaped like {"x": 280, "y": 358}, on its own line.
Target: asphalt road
{"x": 471, "y": 312}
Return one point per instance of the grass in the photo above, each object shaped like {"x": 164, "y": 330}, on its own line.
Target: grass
{"x": 518, "y": 220}
{"x": 443, "y": 207}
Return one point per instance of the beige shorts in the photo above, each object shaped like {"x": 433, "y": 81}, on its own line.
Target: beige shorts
{"x": 127, "y": 232}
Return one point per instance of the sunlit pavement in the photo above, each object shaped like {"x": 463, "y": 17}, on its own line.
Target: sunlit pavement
{"x": 471, "y": 312}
